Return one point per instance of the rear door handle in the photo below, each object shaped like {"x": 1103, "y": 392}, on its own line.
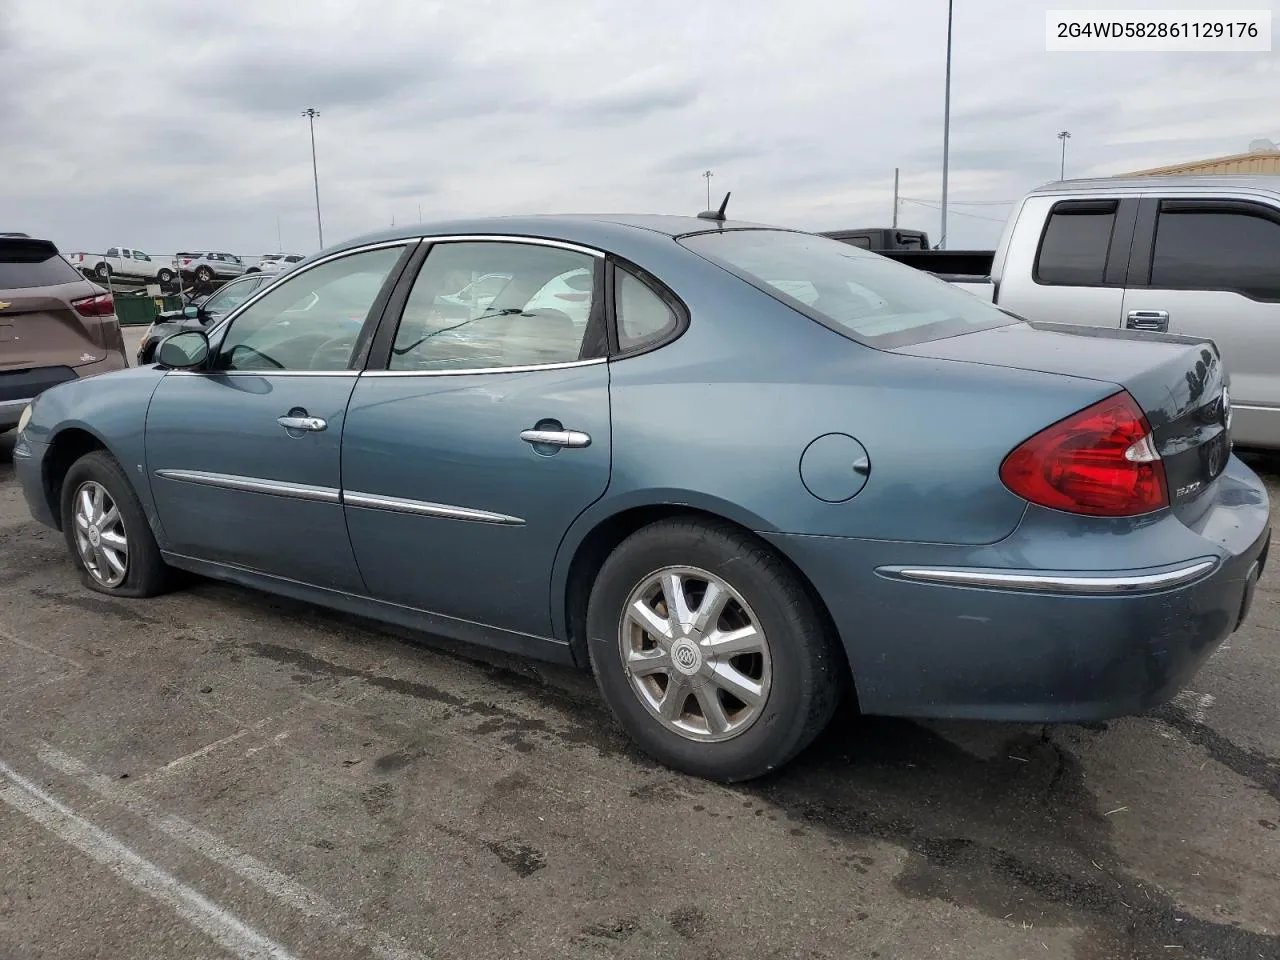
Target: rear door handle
{"x": 556, "y": 438}
{"x": 1157, "y": 320}
{"x": 315, "y": 424}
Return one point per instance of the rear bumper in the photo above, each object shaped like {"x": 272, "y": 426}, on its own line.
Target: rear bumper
{"x": 1051, "y": 641}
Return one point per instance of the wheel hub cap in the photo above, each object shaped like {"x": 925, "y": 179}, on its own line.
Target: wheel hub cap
{"x": 95, "y": 536}
{"x": 100, "y": 535}
{"x": 686, "y": 657}
{"x": 695, "y": 654}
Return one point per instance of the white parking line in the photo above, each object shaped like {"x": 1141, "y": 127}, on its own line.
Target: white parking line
{"x": 202, "y": 913}
{"x": 8, "y": 636}
{"x": 213, "y": 847}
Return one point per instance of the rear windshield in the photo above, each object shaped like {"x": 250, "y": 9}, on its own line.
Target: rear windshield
{"x": 862, "y": 295}
{"x": 33, "y": 264}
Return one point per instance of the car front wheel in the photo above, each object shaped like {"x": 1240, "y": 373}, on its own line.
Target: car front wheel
{"x": 107, "y": 532}
{"x": 709, "y": 651}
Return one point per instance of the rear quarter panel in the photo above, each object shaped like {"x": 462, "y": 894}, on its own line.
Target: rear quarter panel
{"x": 719, "y": 419}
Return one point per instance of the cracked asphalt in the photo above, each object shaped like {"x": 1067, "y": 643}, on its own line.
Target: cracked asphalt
{"x": 218, "y": 773}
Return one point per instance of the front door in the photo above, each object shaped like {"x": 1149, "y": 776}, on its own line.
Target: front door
{"x": 244, "y": 458}
{"x": 1214, "y": 273}
{"x": 484, "y": 436}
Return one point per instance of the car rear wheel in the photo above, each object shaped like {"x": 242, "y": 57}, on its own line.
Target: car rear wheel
{"x": 107, "y": 532}
{"x": 204, "y": 274}
{"x": 165, "y": 276}
{"x": 102, "y": 271}
{"x": 709, "y": 651}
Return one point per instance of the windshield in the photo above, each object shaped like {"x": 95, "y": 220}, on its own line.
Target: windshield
{"x": 860, "y": 294}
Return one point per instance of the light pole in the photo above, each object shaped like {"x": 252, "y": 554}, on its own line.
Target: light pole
{"x": 946, "y": 134}
{"x": 707, "y": 175}
{"x": 1064, "y": 136}
{"x": 311, "y": 113}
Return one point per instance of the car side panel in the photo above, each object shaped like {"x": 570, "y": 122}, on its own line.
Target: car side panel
{"x": 111, "y": 407}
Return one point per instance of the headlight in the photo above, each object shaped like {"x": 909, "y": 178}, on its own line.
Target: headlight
{"x": 25, "y": 418}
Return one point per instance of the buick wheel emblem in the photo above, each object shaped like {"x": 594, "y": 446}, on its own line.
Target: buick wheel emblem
{"x": 686, "y": 657}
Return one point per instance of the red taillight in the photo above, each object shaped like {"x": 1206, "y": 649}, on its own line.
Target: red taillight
{"x": 186, "y": 261}
{"x": 103, "y": 305}
{"x": 1101, "y": 461}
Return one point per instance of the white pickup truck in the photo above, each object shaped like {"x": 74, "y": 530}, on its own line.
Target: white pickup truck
{"x": 124, "y": 262}
{"x": 1194, "y": 255}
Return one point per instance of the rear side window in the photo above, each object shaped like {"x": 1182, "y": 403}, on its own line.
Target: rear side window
{"x": 1077, "y": 239}
{"x": 1234, "y": 248}
{"x": 643, "y": 317}
{"x": 33, "y": 264}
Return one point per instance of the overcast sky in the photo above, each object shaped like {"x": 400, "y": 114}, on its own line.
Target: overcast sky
{"x": 169, "y": 125}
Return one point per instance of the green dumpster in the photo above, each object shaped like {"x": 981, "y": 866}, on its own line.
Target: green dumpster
{"x": 135, "y": 311}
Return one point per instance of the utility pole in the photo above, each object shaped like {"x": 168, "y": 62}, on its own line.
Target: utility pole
{"x": 279, "y": 236}
{"x": 707, "y": 177}
{"x": 895, "y": 198}
{"x": 1064, "y": 136}
{"x": 946, "y": 134}
{"x": 311, "y": 113}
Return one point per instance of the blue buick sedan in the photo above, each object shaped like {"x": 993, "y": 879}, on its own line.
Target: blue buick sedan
{"x": 735, "y": 470}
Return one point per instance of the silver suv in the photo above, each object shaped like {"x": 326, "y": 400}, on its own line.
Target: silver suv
{"x": 208, "y": 265}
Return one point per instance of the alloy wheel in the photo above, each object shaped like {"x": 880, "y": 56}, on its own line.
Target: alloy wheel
{"x": 100, "y": 534}
{"x": 695, "y": 654}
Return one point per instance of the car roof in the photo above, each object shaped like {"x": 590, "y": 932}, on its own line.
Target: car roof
{"x": 586, "y": 229}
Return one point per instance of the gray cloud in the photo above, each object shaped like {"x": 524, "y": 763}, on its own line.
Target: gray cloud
{"x": 163, "y": 129}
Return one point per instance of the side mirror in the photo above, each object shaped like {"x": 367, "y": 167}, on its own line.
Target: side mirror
{"x": 191, "y": 313}
{"x": 183, "y": 351}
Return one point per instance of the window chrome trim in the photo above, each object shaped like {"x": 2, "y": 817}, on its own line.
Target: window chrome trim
{"x": 275, "y": 488}
{"x": 1066, "y": 583}
{"x": 345, "y": 374}
{"x": 525, "y": 368}
{"x": 423, "y": 508}
{"x": 511, "y": 238}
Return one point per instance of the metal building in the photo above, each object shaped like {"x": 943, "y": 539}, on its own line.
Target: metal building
{"x": 1263, "y": 157}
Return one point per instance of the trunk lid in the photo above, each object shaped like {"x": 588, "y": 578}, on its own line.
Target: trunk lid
{"x": 1179, "y": 382}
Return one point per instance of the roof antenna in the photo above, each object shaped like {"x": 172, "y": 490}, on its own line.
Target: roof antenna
{"x": 716, "y": 214}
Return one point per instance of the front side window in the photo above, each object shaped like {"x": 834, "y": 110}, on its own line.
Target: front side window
{"x": 538, "y": 314}
{"x": 139, "y": 255}
{"x": 1225, "y": 249}
{"x": 230, "y": 297}
{"x": 310, "y": 321}
{"x": 1077, "y": 239}
{"x": 862, "y": 295}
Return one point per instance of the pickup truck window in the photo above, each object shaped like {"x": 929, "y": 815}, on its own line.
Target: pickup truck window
{"x": 113, "y": 252}
{"x": 139, "y": 255}
{"x": 862, "y": 295}
{"x": 1073, "y": 250}
{"x": 1233, "y": 247}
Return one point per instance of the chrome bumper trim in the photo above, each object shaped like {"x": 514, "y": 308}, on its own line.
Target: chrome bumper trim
{"x": 1068, "y": 583}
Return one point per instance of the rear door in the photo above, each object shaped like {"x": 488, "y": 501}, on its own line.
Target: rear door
{"x": 473, "y": 441}
{"x": 1211, "y": 268}
{"x": 1069, "y": 260}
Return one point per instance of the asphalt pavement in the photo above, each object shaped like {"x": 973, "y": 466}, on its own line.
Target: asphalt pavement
{"x": 218, "y": 773}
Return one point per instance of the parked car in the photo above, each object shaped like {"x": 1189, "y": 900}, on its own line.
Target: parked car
{"x": 200, "y": 312}
{"x": 275, "y": 263}
{"x": 124, "y": 262}
{"x": 207, "y": 265}
{"x": 1194, "y": 255}
{"x": 54, "y": 325}
{"x": 728, "y": 500}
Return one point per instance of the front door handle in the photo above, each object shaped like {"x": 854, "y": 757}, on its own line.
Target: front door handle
{"x": 556, "y": 438}
{"x": 315, "y": 424}
{"x": 1156, "y": 320}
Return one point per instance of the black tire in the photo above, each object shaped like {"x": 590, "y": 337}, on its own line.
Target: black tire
{"x": 102, "y": 271}
{"x": 204, "y": 275}
{"x": 808, "y": 673}
{"x": 165, "y": 276}
{"x": 146, "y": 574}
